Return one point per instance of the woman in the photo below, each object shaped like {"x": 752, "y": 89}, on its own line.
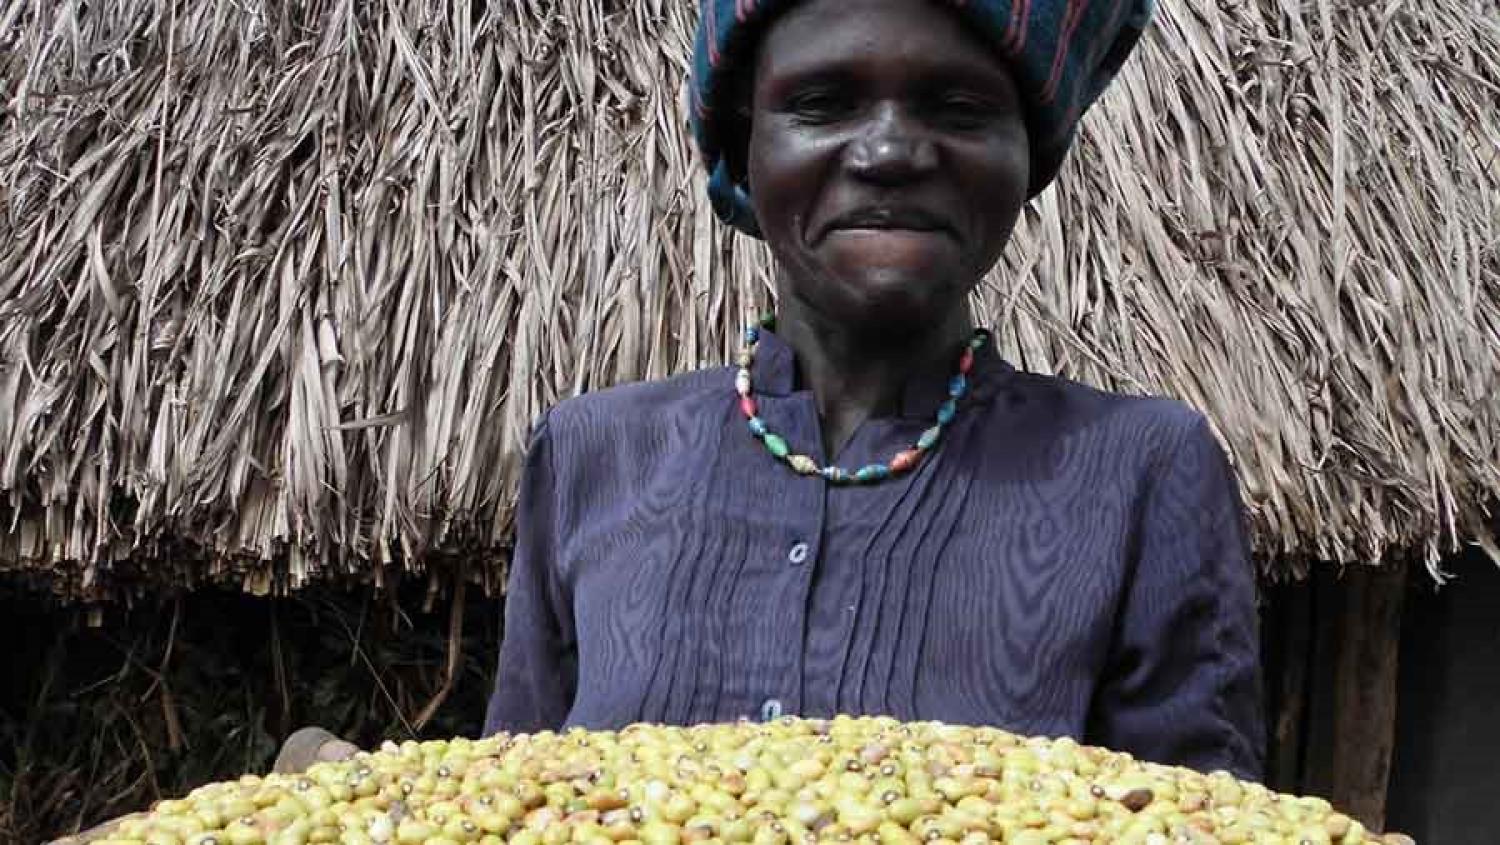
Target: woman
{"x": 880, "y": 515}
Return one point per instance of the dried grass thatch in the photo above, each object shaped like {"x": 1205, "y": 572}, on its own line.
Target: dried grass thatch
{"x": 287, "y": 283}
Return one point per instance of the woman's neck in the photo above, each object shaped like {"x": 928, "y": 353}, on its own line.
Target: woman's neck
{"x": 855, "y": 376}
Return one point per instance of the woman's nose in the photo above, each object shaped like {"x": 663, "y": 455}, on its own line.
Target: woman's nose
{"x": 891, "y": 147}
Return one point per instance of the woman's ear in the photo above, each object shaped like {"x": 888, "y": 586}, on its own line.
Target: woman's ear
{"x": 737, "y": 124}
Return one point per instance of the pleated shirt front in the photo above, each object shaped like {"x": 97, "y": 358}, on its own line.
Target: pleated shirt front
{"x": 1066, "y": 562}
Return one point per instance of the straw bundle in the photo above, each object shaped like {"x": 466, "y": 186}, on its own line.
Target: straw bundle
{"x": 282, "y": 286}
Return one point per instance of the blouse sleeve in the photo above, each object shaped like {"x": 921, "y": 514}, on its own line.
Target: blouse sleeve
{"x": 538, "y": 672}
{"x": 1183, "y": 683}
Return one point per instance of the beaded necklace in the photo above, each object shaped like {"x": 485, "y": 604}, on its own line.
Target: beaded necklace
{"x": 904, "y": 461}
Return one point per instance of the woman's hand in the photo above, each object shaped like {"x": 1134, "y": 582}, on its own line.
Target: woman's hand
{"x": 95, "y": 834}
{"x": 302, "y": 749}
{"x": 308, "y": 746}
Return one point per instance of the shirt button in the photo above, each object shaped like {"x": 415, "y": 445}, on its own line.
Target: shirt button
{"x": 798, "y": 554}
{"x": 771, "y": 710}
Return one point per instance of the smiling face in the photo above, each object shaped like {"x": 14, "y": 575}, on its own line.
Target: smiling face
{"x": 887, "y": 159}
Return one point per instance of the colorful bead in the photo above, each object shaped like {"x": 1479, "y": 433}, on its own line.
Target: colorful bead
{"x": 947, "y": 412}
{"x": 803, "y": 464}
{"x": 906, "y": 461}
{"x": 776, "y": 446}
{"x": 958, "y": 387}
{"x": 929, "y": 438}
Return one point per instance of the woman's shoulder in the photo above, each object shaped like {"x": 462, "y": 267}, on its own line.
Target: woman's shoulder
{"x": 1066, "y": 408}
{"x": 633, "y": 410}
{"x": 1076, "y": 398}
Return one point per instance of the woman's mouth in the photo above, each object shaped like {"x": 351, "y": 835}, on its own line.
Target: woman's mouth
{"x": 889, "y": 219}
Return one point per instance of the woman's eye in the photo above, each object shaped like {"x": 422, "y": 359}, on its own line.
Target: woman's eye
{"x": 819, "y": 106}
{"x": 964, "y": 112}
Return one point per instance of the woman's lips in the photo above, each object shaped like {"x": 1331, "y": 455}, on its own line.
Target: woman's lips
{"x": 912, "y": 234}
{"x": 882, "y": 221}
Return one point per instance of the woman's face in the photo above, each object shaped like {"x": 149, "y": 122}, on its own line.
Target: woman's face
{"x": 887, "y": 159}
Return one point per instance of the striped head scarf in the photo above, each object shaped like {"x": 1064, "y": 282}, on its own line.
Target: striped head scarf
{"x": 1062, "y": 54}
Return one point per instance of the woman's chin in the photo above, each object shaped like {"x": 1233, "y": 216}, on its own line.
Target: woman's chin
{"x": 890, "y": 299}
{"x": 912, "y": 291}
{"x": 890, "y": 257}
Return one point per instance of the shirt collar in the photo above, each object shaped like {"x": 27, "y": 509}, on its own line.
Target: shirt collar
{"x": 775, "y": 374}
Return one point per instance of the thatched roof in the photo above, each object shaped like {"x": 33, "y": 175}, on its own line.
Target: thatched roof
{"x": 282, "y": 286}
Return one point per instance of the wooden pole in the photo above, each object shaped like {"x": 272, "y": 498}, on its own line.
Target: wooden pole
{"x": 1287, "y": 649}
{"x": 1368, "y": 632}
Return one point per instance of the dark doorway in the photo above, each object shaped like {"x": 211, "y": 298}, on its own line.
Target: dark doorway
{"x": 1445, "y": 778}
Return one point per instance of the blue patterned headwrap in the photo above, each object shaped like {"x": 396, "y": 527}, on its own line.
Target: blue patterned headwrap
{"x": 1062, "y": 54}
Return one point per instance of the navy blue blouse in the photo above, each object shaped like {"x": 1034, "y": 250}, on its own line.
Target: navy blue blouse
{"x": 1067, "y": 562}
